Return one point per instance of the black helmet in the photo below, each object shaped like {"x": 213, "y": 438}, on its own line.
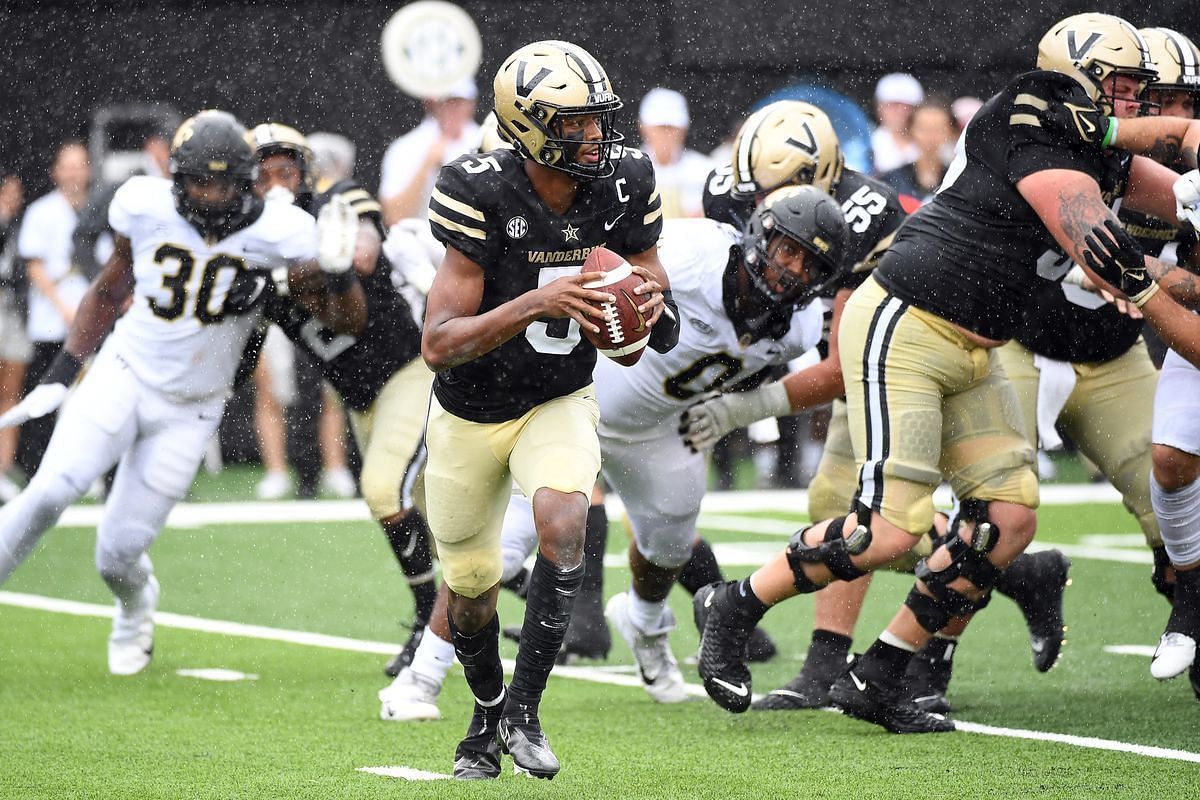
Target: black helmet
{"x": 813, "y": 219}
{"x": 214, "y": 146}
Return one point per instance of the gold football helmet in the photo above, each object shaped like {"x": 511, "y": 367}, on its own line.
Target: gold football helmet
{"x": 1176, "y": 59}
{"x": 270, "y": 138}
{"x": 538, "y": 88}
{"x": 786, "y": 143}
{"x": 1090, "y": 48}
{"x": 490, "y": 137}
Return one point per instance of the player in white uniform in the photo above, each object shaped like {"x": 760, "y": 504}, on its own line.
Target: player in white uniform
{"x": 193, "y": 256}
{"x": 741, "y": 320}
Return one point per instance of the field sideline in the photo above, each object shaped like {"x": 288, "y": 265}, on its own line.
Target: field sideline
{"x": 304, "y": 598}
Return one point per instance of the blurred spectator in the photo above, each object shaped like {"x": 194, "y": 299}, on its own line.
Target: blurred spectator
{"x": 93, "y": 236}
{"x": 411, "y": 162}
{"x": 333, "y": 158}
{"x": 678, "y": 172}
{"x": 55, "y": 285}
{"x": 15, "y": 350}
{"x": 964, "y": 109}
{"x": 896, "y": 95}
{"x": 932, "y": 130}
{"x": 274, "y": 388}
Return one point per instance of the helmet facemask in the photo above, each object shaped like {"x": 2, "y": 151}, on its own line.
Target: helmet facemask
{"x": 564, "y": 140}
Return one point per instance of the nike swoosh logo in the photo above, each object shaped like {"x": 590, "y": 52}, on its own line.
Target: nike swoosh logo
{"x": 736, "y": 688}
{"x": 641, "y": 317}
{"x": 1037, "y": 646}
{"x": 608, "y": 226}
{"x": 859, "y": 682}
{"x": 708, "y": 600}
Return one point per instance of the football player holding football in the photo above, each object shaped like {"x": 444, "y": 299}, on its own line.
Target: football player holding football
{"x": 378, "y": 372}
{"x": 926, "y": 396}
{"x": 512, "y": 396}
{"x": 193, "y": 255}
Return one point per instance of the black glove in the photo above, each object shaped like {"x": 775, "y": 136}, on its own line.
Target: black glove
{"x": 665, "y": 333}
{"x": 248, "y": 289}
{"x": 1118, "y": 259}
{"x": 1077, "y": 118}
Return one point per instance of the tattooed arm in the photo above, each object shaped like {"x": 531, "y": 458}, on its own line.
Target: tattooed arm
{"x": 1070, "y": 205}
{"x": 1168, "y": 140}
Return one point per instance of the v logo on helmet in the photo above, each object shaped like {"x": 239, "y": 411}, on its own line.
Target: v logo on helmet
{"x": 525, "y": 88}
{"x": 1077, "y": 52}
{"x": 809, "y": 145}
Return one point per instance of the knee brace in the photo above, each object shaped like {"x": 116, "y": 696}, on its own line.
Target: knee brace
{"x": 968, "y": 559}
{"x": 834, "y": 551}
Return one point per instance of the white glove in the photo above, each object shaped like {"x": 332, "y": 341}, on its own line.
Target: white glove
{"x": 44, "y": 398}
{"x": 337, "y": 234}
{"x": 704, "y": 424}
{"x": 1187, "y": 198}
{"x": 410, "y": 258}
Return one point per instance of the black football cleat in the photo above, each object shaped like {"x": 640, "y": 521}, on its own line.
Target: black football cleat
{"x": 405, "y": 656}
{"x": 801, "y": 692}
{"x": 1042, "y": 606}
{"x": 723, "y": 637}
{"x": 760, "y": 648}
{"x": 928, "y": 677}
{"x": 478, "y": 754}
{"x": 587, "y": 634}
{"x": 521, "y": 737}
{"x": 882, "y": 706}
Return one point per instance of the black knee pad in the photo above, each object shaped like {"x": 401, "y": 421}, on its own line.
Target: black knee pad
{"x": 931, "y": 613}
{"x": 834, "y": 551}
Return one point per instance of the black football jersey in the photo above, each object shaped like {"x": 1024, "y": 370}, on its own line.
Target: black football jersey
{"x": 975, "y": 253}
{"x": 485, "y": 207}
{"x": 356, "y": 366}
{"x": 872, "y": 208}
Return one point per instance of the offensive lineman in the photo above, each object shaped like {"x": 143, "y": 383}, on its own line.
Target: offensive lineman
{"x": 513, "y": 397}
{"x": 192, "y": 254}
{"x": 926, "y": 398}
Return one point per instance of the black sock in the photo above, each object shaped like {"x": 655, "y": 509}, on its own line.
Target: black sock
{"x": 701, "y": 569}
{"x": 595, "y": 540}
{"x": 827, "y": 651}
{"x": 1185, "y": 611}
{"x": 424, "y": 596}
{"x": 547, "y": 613}
{"x": 479, "y": 654}
{"x": 883, "y": 663}
{"x": 746, "y": 602}
{"x": 410, "y": 541}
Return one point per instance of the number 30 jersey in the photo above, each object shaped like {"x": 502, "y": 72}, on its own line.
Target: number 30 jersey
{"x": 176, "y": 335}
{"x": 639, "y": 402}
{"x": 485, "y": 207}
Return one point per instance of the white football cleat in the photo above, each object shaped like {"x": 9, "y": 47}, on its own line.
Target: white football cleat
{"x": 660, "y": 671}
{"x": 1174, "y": 654}
{"x": 132, "y": 640}
{"x": 410, "y": 697}
{"x": 274, "y": 486}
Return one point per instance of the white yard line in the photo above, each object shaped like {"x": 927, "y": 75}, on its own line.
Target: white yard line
{"x": 592, "y": 674}
{"x": 192, "y": 515}
{"x": 1143, "y": 650}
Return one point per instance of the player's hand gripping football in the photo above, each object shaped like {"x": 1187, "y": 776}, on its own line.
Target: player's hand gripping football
{"x": 567, "y": 298}
{"x": 652, "y": 290}
{"x": 1114, "y": 255}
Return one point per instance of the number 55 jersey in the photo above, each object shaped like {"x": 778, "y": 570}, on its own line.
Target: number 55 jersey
{"x": 177, "y": 336}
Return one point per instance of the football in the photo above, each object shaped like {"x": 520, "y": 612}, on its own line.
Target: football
{"x": 624, "y": 334}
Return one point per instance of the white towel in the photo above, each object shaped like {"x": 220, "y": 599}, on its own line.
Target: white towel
{"x": 1056, "y": 381}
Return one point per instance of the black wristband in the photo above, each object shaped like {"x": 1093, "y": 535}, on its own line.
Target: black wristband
{"x": 63, "y": 369}
{"x": 665, "y": 333}
{"x": 339, "y": 282}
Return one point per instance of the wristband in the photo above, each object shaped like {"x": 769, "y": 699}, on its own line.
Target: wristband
{"x": 1110, "y": 135}
{"x": 1141, "y": 298}
{"x": 339, "y": 282}
{"x": 63, "y": 369}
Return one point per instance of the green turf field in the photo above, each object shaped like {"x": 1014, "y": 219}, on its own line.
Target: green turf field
{"x": 308, "y": 722}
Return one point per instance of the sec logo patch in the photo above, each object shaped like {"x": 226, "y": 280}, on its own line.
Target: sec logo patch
{"x": 516, "y": 228}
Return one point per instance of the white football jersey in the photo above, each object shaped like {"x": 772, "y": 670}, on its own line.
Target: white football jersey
{"x": 638, "y": 402}
{"x": 176, "y": 336}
